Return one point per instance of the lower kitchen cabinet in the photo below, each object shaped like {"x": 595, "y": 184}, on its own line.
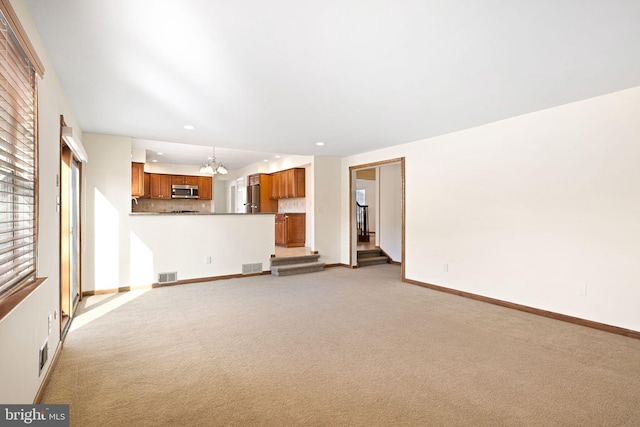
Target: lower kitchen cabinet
{"x": 281, "y": 239}
{"x": 290, "y": 229}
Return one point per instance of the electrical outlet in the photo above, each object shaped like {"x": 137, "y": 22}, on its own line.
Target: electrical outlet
{"x": 207, "y": 259}
{"x": 582, "y": 290}
{"x": 445, "y": 268}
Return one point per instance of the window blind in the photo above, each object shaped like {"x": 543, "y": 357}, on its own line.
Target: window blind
{"x": 17, "y": 163}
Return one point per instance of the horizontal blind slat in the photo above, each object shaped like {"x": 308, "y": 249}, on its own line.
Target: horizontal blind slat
{"x": 17, "y": 162}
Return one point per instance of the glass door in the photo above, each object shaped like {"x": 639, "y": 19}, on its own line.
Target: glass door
{"x": 70, "y": 190}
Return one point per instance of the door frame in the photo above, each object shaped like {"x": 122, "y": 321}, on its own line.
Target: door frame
{"x": 352, "y": 213}
{"x": 67, "y": 159}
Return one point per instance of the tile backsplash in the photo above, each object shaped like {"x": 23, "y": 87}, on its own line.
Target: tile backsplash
{"x": 295, "y": 205}
{"x": 158, "y": 205}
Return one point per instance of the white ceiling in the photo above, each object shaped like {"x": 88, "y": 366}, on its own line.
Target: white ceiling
{"x": 189, "y": 154}
{"x": 277, "y": 76}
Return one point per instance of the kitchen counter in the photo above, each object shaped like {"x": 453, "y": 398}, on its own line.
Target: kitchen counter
{"x": 195, "y": 213}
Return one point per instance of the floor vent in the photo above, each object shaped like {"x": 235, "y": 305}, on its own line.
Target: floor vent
{"x": 252, "y": 268}
{"x": 168, "y": 277}
{"x": 44, "y": 356}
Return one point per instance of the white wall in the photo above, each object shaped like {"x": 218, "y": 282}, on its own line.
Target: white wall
{"x": 24, "y": 330}
{"x": 220, "y": 196}
{"x": 389, "y": 237}
{"x": 186, "y": 240}
{"x": 326, "y": 208}
{"x": 529, "y": 209}
{"x": 108, "y": 202}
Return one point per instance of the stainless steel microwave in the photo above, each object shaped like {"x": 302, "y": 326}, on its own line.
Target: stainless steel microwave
{"x": 182, "y": 191}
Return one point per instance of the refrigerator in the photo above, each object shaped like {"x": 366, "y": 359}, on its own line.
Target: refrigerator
{"x": 253, "y": 199}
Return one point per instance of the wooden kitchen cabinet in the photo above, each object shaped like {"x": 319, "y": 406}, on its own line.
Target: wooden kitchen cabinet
{"x": 160, "y": 186}
{"x": 147, "y": 185}
{"x": 281, "y": 239}
{"x": 184, "y": 179}
{"x": 137, "y": 179}
{"x": 291, "y": 229}
{"x": 205, "y": 188}
{"x": 274, "y": 191}
{"x": 254, "y": 179}
{"x": 294, "y": 182}
{"x": 288, "y": 184}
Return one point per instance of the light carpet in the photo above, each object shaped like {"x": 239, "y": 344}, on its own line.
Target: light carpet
{"x": 339, "y": 347}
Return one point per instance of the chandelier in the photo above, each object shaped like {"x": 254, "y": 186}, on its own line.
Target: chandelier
{"x": 212, "y": 166}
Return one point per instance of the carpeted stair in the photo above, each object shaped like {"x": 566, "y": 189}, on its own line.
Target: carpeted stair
{"x": 286, "y": 266}
{"x": 371, "y": 257}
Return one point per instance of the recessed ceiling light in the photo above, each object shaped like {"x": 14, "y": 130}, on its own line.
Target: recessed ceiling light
{"x": 320, "y": 143}
{"x": 154, "y": 161}
{"x": 159, "y": 153}
{"x": 277, "y": 156}
{"x": 266, "y": 161}
{"x": 189, "y": 127}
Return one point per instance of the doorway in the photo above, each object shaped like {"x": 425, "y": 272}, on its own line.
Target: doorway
{"x": 389, "y": 216}
{"x": 70, "y": 259}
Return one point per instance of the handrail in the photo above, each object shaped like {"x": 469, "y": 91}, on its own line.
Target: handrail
{"x": 362, "y": 220}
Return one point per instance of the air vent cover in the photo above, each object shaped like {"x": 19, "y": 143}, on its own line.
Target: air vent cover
{"x": 252, "y": 268}
{"x": 168, "y": 277}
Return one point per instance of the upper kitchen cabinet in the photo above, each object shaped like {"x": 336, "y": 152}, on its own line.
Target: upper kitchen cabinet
{"x": 288, "y": 184}
{"x": 205, "y": 187}
{"x": 160, "y": 187}
{"x": 294, "y": 182}
{"x": 184, "y": 179}
{"x": 137, "y": 179}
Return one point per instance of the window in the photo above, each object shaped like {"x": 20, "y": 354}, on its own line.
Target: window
{"x": 17, "y": 162}
{"x": 361, "y": 197}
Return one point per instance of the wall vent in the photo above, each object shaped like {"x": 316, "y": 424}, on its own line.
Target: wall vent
{"x": 168, "y": 277}
{"x": 43, "y": 356}
{"x": 252, "y": 268}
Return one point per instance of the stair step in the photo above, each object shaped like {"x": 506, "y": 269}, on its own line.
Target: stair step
{"x": 289, "y": 269}
{"x": 301, "y": 259}
{"x": 367, "y": 253}
{"x": 372, "y": 260}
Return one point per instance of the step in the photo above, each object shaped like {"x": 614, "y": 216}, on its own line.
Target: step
{"x": 367, "y": 253}
{"x": 301, "y": 259}
{"x": 289, "y": 269}
{"x": 362, "y": 262}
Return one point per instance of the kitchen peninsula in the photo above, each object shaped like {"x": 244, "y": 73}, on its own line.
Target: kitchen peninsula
{"x": 198, "y": 246}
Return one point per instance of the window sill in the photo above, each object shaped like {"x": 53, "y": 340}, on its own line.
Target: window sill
{"x": 12, "y": 301}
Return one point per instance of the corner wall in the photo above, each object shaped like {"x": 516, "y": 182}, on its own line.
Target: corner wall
{"x": 530, "y": 210}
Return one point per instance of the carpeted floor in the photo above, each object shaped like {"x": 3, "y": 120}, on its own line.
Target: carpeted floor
{"x": 340, "y": 347}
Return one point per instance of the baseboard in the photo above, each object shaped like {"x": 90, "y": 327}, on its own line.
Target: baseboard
{"x": 47, "y": 375}
{"x": 336, "y": 265}
{"x": 545, "y": 313}
{"x": 179, "y": 282}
